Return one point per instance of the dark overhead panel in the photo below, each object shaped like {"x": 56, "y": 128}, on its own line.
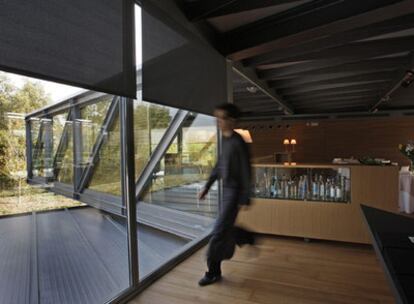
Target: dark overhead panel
{"x": 312, "y": 57}
{"x": 179, "y": 68}
{"x": 203, "y": 9}
{"x": 89, "y": 44}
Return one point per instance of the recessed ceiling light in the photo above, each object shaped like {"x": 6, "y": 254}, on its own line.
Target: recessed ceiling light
{"x": 251, "y": 89}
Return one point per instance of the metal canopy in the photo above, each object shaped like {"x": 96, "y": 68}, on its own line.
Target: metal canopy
{"x": 312, "y": 57}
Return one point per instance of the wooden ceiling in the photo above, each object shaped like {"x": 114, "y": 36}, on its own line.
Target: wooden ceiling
{"x": 311, "y": 57}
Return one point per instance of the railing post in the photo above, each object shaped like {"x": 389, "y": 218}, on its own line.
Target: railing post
{"x": 77, "y": 147}
{"x": 29, "y": 163}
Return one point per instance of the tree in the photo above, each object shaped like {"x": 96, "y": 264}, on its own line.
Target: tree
{"x": 12, "y": 141}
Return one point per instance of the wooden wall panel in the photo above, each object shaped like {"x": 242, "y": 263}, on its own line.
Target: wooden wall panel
{"x": 330, "y": 139}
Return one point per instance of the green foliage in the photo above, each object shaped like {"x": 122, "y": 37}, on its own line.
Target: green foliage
{"x": 159, "y": 116}
{"x": 12, "y": 141}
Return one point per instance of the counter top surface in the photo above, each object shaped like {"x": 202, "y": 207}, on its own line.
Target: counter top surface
{"x": 316, "y": 165}
{"x": 390, "y": 233}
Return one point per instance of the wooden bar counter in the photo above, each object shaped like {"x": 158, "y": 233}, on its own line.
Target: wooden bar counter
{"x": 375, "y": 186}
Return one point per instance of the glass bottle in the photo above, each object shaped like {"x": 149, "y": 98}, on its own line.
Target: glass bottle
{"x": 300, "y": 186}
{"x": 332, "y": 192}
{"x": 338, "y": 192}
{"x": 321, "y": 188}
{"x": 273, "y": 187}
{"x": 315, "y": 188}
{"x": 278, "y": 188}
{"x": 283, "y": 186}
{"x": 348, "y": 188}
{"x": 305, "y": 187}
{"x": 287, "y": 189}
{"x": 294, "y": 189}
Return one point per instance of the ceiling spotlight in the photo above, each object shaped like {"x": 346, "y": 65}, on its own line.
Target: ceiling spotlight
{"x": 385, "y": 98}
{"x": 251, "y": 89}
{"x": 408, "y": 79}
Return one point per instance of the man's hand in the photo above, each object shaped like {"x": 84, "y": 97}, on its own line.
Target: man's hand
{"x": 202, "y": 194}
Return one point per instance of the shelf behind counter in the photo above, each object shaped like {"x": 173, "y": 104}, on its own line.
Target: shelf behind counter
{"x": 375, "y": 186}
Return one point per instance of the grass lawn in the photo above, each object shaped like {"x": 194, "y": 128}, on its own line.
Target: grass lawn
{"x": 33, "y": 200}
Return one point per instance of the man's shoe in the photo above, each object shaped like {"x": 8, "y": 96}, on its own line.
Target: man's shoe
{"x": 209, "y": 279}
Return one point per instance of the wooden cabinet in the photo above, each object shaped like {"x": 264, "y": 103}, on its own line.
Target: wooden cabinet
{"x": 374, "y": 186}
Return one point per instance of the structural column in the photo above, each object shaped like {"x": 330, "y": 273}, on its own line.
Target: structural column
{"x": 126, "y": 116}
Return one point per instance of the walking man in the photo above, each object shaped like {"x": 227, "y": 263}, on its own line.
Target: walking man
{"x": 233, "y": 168}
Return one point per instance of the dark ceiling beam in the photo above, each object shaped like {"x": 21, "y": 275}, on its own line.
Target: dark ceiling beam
{"x": 318, "y": 19}
{"x": 247, "y": 103}
{"x": 405, "y": 108}
{"x": 363, "y": 49}
{"x": 353, "y": 67}
{"x": 386, "y": 27}
{"x": 259, "y": 108}
{"x": 323, "y": 113}
{"x": 204, "y": 9}
{"x": 380, "y": 86}
{"x": 334, "y": 98}
{"x": 248, "y": 96}
{"x": 339, "y": 108}
{"x": 250, "y": 75}
{"x": 334, "y": 93}
{"x": 354, "y": 78}
{"x": 269, "y": 118}
{"x": 333, "y": 107}
{"x": 252, "y": 100}
{"x": 291, "y": 82}
{"x": 337, "y": 86}
{"x": 201, "y": 9}
{"x": 310, "y": 66}
{"x": 361, "y": 101}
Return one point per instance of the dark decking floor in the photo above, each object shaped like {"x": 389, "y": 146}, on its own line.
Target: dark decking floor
{"x": 73, "y": 256}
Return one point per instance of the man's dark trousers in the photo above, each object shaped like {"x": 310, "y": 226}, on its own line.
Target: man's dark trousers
{"x": 225, "y": 236}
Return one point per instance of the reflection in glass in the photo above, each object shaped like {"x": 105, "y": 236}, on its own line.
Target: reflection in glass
{"x": 150, "y": 124}
{"x": 34, "y": 129}
{"x": 107, "y": 173}
{"x": 60, "y": 141}
{"x": 185, "y": 168}
{"x": 92, "y": 118}
{"x": 42, "y": 147}
{"x": 169, "y": 212}
{"x": 64, "y": 155}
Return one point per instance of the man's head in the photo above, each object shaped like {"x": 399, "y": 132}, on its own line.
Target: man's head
{"x": 227, "y": 115}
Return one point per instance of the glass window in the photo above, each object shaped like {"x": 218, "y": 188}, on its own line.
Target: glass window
{"x": 168, "y": 211}
{"x": 92, "y": 118}
{"x": 42, "y": 147}
{"x": 107, "y": 173}
{"x": 186, "y": 167}
{"x": 150, "y": 123}
{"x": 64, "y": 154}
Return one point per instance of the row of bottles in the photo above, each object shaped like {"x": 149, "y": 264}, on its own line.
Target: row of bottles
{"x": 304, "y": 187}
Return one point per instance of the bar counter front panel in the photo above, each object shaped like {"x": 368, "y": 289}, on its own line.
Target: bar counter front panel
{"x": 286, "y": 202}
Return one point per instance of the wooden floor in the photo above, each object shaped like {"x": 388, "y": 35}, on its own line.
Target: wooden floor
{"x": 283, "y": 270}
